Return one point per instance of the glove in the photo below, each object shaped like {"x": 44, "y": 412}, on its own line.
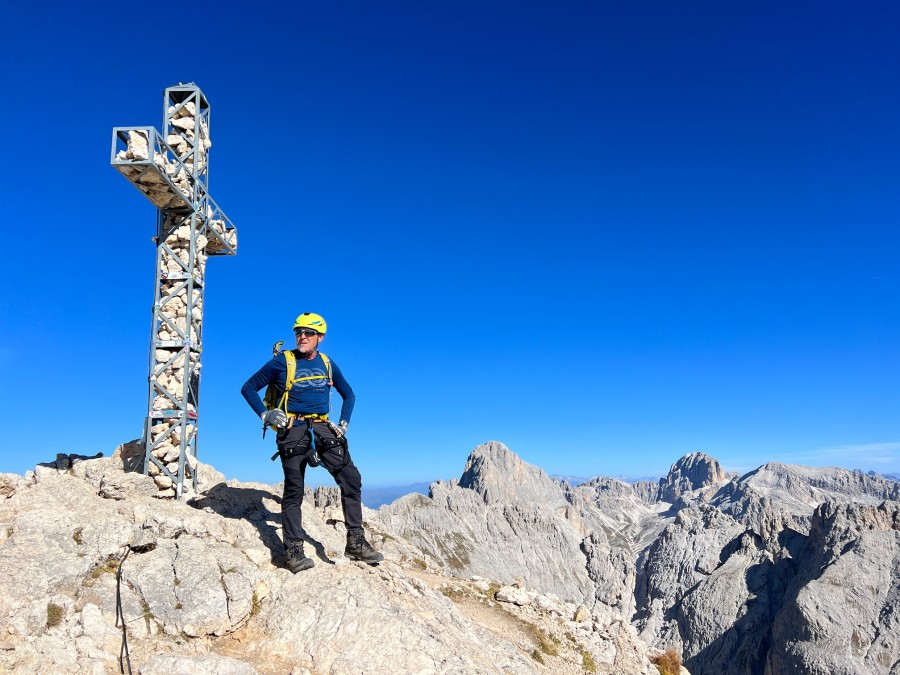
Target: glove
{"x": 342, "y": 425}
{"x": 275, "y": 418}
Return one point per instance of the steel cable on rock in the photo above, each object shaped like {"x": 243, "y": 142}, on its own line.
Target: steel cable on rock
{"x": 120, "y": 617}
{"x": 141, "y": 543}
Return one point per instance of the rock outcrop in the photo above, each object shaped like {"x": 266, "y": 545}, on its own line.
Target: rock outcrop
{"x": 724, "y": 569}
{"x": 841, "y": 613}
{"x": 201, "y": 589}
{"x": 784, "y": 569}
{"x": 500, "y": 477}
{"x": 693, "y": 472}
{"x": 739, "y": 579}
{"x": 494, "y": 531}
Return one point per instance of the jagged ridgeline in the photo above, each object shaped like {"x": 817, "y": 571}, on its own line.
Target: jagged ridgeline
{"x": 786, "y": 569}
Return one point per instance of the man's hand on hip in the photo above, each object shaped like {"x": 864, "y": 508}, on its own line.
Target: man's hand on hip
{"x": 275, "y": 418}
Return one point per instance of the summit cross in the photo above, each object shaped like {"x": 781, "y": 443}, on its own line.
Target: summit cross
{"x": 170, "y": 169}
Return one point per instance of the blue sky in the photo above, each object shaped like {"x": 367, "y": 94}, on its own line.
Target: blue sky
{"x": 606, "y": 234}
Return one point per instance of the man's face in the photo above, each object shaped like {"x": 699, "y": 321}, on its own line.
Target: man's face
{"x": 307, "y": 340}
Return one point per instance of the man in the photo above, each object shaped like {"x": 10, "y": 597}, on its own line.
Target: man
{"x": 306, "y": 436}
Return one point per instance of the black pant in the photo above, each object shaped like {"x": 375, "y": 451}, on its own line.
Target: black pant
{"x": 293, "y": 446}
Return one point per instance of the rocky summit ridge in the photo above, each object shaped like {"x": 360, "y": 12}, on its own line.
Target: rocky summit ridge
{"x": 506, "y": 570}
{"x": 202, "y": 591}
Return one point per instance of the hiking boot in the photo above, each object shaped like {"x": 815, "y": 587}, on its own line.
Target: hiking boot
{"x": 295, "y": 559}
{"x": 359, "y": 549}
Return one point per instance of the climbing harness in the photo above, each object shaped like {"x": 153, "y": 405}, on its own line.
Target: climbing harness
{"x": 319, "y": 444}
{"x": 312, "y": 455}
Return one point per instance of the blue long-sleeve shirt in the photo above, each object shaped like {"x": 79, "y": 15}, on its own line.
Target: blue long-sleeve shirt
{"x": 307, "y": 396}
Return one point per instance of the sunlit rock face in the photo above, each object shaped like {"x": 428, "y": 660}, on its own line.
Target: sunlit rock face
{"x": 784, "y": 569}
{"x": 721, "y": 567}
{"x": 203, "y": 589}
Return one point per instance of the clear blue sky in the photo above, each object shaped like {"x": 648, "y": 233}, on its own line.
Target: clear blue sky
{"x": 604, "y": 233}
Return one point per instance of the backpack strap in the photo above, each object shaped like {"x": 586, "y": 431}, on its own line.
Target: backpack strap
{"x": 290, "y": 377}
{"x": 327, "y": 368}
{"x": 291, "y": 362}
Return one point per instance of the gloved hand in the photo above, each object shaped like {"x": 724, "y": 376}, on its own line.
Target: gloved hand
{"x": 275, "y": 418}
{"x": 342, "y": 425}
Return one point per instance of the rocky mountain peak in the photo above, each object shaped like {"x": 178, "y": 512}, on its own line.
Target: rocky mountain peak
{"x": 499, "y": 476}
{"x": 694, "y": 471}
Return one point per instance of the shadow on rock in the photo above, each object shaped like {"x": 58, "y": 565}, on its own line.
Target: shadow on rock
{"x": 249, "y": 504}
{"x": 743, "y": 647}
{"x": 246, "y": 504}
{"x": 320, "y": 550}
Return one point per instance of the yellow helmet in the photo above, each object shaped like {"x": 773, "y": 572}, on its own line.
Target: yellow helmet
{"x": 310, "y": 320}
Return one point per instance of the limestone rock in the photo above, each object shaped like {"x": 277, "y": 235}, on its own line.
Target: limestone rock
{"x": 202, "y": 579}
{"x": 208, "y": 664}
{"x": 518, "y": 596}
{"x": 162, "y": 481}
{"x": 138, "y": 145}
{"x": 800, "y": 489}
{"x": 92, "y": 624}
{"x": 613, "y": 572}
{"x": 184, "y": 123}
{"x": 692, "y": 472}
{"x": 9, "y": 483}
{"x": 687, "y": 551}
{"x": 499, "y": 476}
{"x": 473, "y": 531}
{"x": 647, "y": 491}
{"x": 734, "y": 582}
{"x": 785, "y": 569}
{"x": 842, "y": 611}
{"x": 131, "y": 455}
{"x": 127, "y": 485}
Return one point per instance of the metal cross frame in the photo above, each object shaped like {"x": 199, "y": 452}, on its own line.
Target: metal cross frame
{"x": 171, "y": 170}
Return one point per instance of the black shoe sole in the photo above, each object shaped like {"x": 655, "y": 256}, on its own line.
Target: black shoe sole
{"x": 370, "y": 561}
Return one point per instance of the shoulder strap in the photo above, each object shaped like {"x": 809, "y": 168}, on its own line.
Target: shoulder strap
{"x": 327, "y": 366}
{"x": 291, "y": 362}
